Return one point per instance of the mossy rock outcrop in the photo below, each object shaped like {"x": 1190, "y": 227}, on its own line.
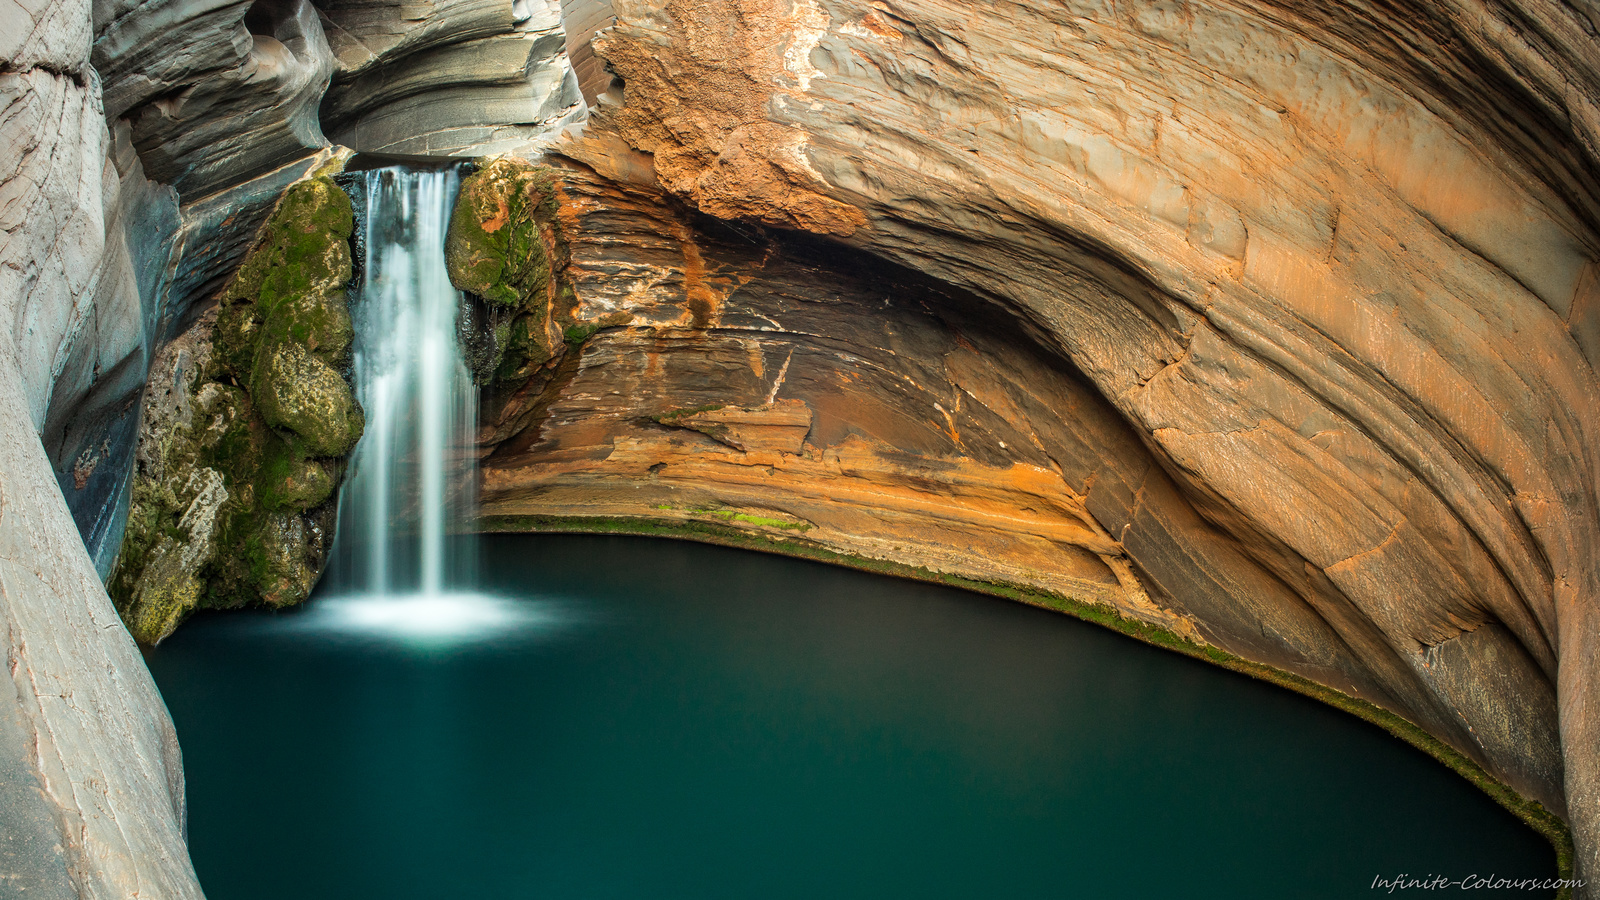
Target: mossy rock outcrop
{"x": 248, "y": 419}
{"x": 506, "y": 251}
{"x": 295, "y": 390}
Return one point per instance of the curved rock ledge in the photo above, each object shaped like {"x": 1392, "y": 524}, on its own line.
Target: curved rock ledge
{"x": 800, "y": 389}
{"x": 1335, "y": 276}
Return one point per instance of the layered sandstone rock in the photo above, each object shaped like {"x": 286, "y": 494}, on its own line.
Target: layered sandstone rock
{"x": 582, "y": 20}
{"x": 1272, "y": 324}
{"x": 1333, "y": 268}
{"x": 216, "y": 93}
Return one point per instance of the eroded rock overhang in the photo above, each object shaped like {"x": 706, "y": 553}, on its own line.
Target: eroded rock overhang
{"x": 1307, "y": 292}
{"x": 1335, "y": 274}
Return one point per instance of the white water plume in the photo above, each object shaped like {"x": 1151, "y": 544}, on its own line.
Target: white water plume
{"x": 406, "y": 507}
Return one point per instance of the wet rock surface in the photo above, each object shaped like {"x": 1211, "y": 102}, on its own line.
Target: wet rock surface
{"x": 507, "y": 251}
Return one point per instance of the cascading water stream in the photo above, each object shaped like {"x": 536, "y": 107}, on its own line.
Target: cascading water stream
{"x": 411, "y": 480}
{"x": 405, "y": 557}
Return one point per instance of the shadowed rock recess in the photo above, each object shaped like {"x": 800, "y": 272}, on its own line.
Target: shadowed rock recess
{"x": 1268, "y": 331}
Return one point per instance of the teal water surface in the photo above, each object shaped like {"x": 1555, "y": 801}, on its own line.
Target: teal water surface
{"x": 636, "y": 718}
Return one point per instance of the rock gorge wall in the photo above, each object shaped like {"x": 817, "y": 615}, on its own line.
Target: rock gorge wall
{"x": 468, "y": 77}
{"x": 811, "y": 394}
{"x": 92, "y": 793}
{"x": 1333, "y": 267}
{"x": 1272, "y": 324}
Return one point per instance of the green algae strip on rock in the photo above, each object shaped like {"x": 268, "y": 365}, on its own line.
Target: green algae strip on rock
{"x": 248, "y": 419}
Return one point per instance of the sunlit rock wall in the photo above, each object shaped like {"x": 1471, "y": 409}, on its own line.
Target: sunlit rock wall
{"x": 1274, "y": 323}
{"x": 1333, "y": 266}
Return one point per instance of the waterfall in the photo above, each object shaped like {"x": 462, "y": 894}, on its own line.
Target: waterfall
{"x": 408, "y": 499}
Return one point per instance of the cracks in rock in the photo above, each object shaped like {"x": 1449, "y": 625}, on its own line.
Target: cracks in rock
{"x": 1379, "y": 547}
{"x": 1231, "y": 432}
{"x": 74, "y": 75}
{"x": 777, "y": 382}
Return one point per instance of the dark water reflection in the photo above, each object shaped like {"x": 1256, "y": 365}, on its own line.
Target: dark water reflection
{"x": 651, "y": 719}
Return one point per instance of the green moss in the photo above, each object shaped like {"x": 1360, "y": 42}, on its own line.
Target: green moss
{"x": 526, "y": 347}
{"x": 291, "y": 480}
{"x": 297, "y": 391}
{"x": 169, "y": 594}
{"x": 152, "y": 514}
{"x": 291, "y": 286}
{"x": 274, "y": 417}
{"x": 733, "y": 515}
{"x": 505, "y": 246}
{"x": 502, "y": 236}
{"x": 1531, "y": 812}
{"x": 765, "y": 522}
{"x": 672, "y": 417}
{"x": 575, "y": 335}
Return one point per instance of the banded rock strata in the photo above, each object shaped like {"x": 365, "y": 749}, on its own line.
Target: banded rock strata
{"x": 1272, "y": 323}
{"x": 91, "y": 798}
{"x": 1334, "y": 267}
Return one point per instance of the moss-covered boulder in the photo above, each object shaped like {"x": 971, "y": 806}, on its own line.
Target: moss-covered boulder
{"x": 502, "y": 240}
{"x": 248, "y": 419}
{"x": 295, "y": 390}
{"x": 291, "y": 288}
{"x": 506, "y": 251}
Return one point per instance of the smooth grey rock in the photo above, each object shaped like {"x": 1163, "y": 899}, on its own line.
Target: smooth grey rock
{"x": 241, "y": 122}
{"x": 365, "y": 33}
{"x": 424, "y": 86}
{"x": 504, "y": 59}
{"x": 100, "y": 763}
{"x": 148, "y": 49}
{"x": 33, "y": 862}
{"x": 472, "y": 119}
{"x": 44, "y": 34}
{"x": 92, "y": 419}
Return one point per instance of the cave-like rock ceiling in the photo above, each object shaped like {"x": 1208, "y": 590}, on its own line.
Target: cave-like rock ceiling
{"x": 1272, "y": 326}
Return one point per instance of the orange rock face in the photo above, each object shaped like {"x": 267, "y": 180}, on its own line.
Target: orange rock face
{"x": 1317, "y": 279}
{"x": 788, "y": 390}
{"x": 780, "y": 426}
